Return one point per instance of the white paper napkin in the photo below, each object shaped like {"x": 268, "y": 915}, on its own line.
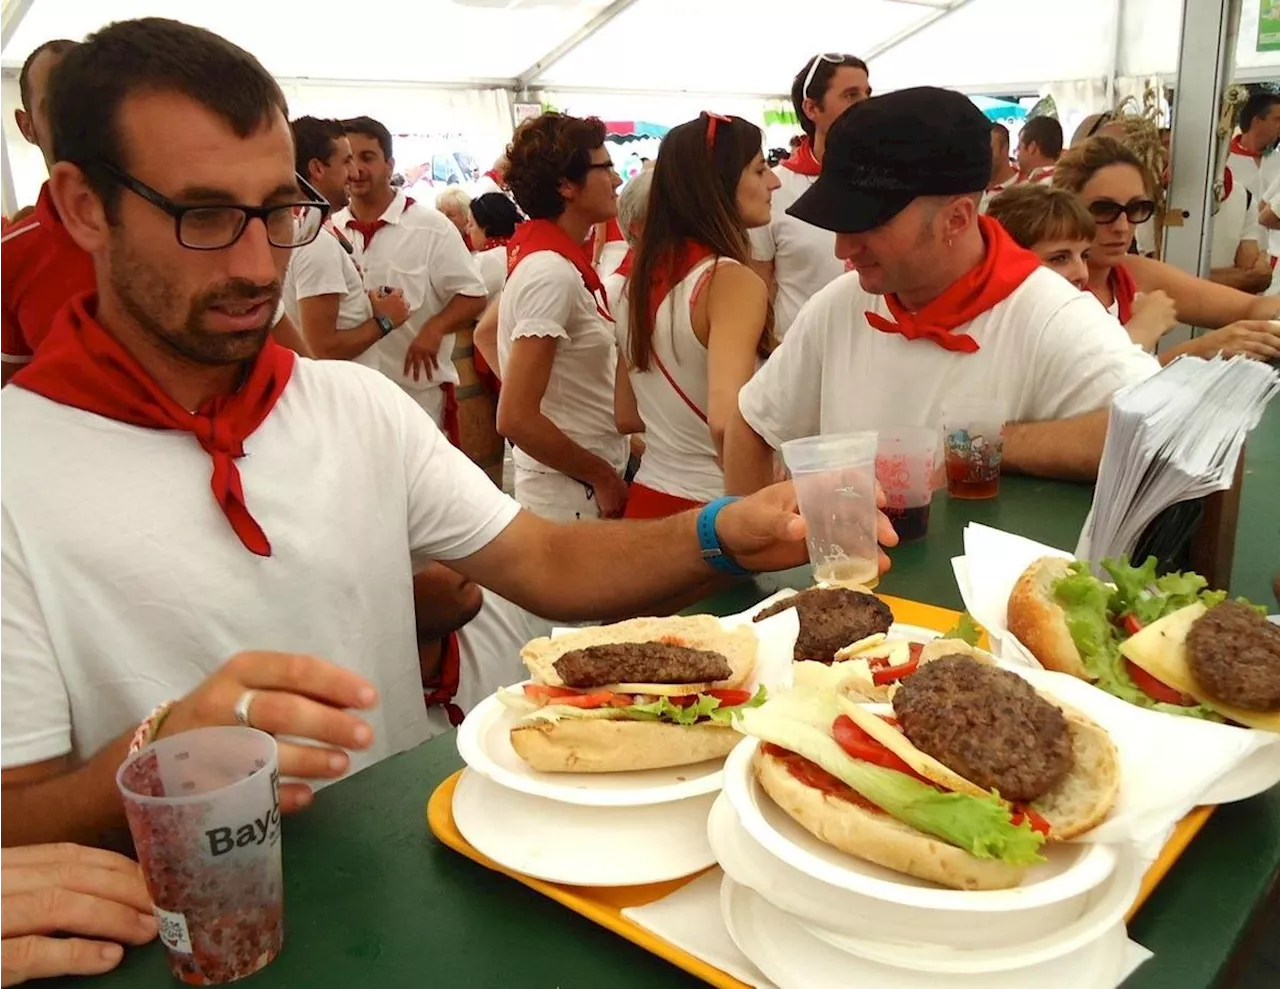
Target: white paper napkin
{"x": 1167, "y": 763}
{"x": 993, "y": 561}
{"x": 690, "y": 919}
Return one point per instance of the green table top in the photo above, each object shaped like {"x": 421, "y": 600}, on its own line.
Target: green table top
{"x": 373, "y": 899}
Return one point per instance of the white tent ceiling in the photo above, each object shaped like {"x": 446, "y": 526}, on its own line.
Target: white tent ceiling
{"x": 704, "y": 46}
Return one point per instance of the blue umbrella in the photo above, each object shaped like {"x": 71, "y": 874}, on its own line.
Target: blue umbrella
{"x": 994, "y": 109}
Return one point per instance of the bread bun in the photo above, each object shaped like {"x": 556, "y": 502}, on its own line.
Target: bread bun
{"x": 1038, "y": 620}
{"x": 877, "y": 837}
{"x": 738, "y": 646}
{"x": 602, "y": 746}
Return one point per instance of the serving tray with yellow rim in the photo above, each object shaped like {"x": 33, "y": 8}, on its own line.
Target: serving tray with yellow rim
{"x": 604, "y": 905}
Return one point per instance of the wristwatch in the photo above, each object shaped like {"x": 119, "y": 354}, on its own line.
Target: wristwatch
{"x": 710, "y": 542}
{"x": 384, "y": 323}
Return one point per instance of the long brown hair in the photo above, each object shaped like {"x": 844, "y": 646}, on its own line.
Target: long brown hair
{"x": 693, "y": 198}
{"x": 1077, "y": 166}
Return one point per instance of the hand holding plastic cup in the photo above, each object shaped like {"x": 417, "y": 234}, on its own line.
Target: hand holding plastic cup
{"x": 835, "y": 482}
{"x": 906, "y": 458}
{"x": 973, "y": 443}
{"x": 204, "y": 810}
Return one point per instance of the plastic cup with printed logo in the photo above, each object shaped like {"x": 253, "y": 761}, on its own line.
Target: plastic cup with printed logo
{"x": 835, "y": 480}
{"x": 973, "y": 445}
{"x": 905, "y": 460}
{"x": 204, "y": 810}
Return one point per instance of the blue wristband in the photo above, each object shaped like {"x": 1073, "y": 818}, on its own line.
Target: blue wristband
{"x": 710, "y": 542}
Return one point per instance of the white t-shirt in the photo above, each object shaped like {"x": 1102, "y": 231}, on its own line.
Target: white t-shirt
{"x": 125, "y": 586}
{"x": 545, "y": 297}
{"x": 1048, "y": 351}
{"x": 804, "y": 256}
{"x": 679, "y": 455}
{"x": 323, "y": 267}
{"x": 420, "y": 253}
{"x": 1234, "y": 222}
{"x": 493, "y": 269}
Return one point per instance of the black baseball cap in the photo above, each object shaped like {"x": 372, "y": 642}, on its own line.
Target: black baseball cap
{"x": 888, "y": 150}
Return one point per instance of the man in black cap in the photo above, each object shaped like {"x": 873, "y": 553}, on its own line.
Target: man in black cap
{"x": 939, "y": 304}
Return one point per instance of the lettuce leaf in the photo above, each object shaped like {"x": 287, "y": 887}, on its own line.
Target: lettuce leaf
{"x": 979, "y": 825}
{"x": 966, "y": 629}
{"x": 705, "y": 708}
{"x": 1149, "y": 598}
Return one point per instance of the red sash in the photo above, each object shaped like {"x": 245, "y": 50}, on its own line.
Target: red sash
{"x": 82, "y": 365}
{"x": 1005, "y": 267}
{"x": 802, "y": 160}
{"x": 533, "y": 236}
{"x": 645, "y": 503}
{"x": 444, "y": 687}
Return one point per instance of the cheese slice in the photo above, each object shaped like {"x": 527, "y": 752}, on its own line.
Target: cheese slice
{"x": 1161, "y": 650}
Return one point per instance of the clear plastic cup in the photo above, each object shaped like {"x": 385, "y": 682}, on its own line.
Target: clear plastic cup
{"x": 906, "y": 458}
{"x": 204, "y": 810}
{"x": 835, "y": 480}
{"x": 973, "y": 444}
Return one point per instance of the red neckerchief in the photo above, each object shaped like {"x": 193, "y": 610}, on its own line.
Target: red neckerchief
{"x": 626, "y": 264}
{"x": 1005, "y": 267}
{"x": 672, "y": 270}
{"x": 533, "y": 236}
{"x": 497, "y": 179}
{"x": 81, "y": 365}
{"x": 1038, "y": 174}
{"x": 444, "y": 687}
{"x": 1124, "y": 288}
{"x": 613, "y": 232}
{"x": 802, "y": 160}
{"x": 367, "y": 228}
{"x": 1238, "y": 148}
{"x": 492, "y": 243}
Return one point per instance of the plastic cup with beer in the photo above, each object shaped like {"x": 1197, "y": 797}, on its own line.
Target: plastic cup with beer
{"x": 906, "y": 457}
{"x": 835, "y": 481}
{"x": 973, "y": 445}
{"x": 204, "y": 810}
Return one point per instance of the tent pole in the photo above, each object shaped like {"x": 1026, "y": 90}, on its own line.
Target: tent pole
{"x": 1205, "y": 57}
{"x": 14, "y": 12}
{"x": 893, "y": 41}
{"x": 534, "y": 72}
{"x": 1113, "y": 74}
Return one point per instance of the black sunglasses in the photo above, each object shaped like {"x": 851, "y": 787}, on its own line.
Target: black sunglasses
{"x": 1106, "y": 211}
{"x": 213, "y": 228}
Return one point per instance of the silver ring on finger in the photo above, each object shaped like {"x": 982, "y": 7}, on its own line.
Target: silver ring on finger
{"x": 242, "y": 708}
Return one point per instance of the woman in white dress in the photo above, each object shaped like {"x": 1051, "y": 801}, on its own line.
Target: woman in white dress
{"x": 694, "y": 318}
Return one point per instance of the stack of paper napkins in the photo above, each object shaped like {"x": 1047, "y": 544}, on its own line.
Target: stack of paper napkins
{"x": 1172, "y": 438}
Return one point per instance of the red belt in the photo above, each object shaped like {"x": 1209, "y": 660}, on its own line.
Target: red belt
{"x": 645, "y": 503}
{"x": 440, "y": 691}
{"x": 452, "y": 429}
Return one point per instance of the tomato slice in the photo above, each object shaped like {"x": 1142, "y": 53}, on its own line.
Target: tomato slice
{"x": 1129, "y": 622}
{"x": 602, "y": 698}
{"x": 731, "y": 698}
{"x": 859, "y": 745}
{"x": 892, "y": 674}
{"x": 1154, "y": 688}
{"x": 1021, "y": 812}
{"x": 545, "y": 694}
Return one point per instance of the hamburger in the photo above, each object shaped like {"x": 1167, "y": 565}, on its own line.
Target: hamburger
{"x": 1075, "y": 623}
{"x": 830, "y": 619}
{"x": 648, "y": 693}
{"x": 1225, "y": 658}
{"x": 961, "y": 786}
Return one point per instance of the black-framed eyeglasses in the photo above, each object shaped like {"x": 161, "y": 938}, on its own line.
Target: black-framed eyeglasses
{"x": 213, "y": 228}
{"x": 1106, "y": 211}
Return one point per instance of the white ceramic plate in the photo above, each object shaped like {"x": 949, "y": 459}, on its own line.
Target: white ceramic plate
{"x": 484, "y": 742}
{"x": 1106, "y": 906}
{"x": 583, "y": 846}
{"x": 793, "y": 958}
{"x": 844, "y": 912}
{"x": 1259, "y": 772}
{"x": 1071, "y": 868}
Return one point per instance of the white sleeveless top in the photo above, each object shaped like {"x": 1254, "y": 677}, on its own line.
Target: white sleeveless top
{"x": 679, "y": 457}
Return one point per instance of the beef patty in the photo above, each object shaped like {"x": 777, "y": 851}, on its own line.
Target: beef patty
{"x": 832, "y": 618}
{"x": 640, "y": 662}
{"x": 987, "y": 724}
{"x": 1234, "y": 654}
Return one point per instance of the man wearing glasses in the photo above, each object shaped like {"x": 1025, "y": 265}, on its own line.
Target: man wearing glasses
{"x": 940, "y": 304}
{"x": 796, "y": 259}
{"x": 412, "y": 247}
{"x": 191, "y": 514}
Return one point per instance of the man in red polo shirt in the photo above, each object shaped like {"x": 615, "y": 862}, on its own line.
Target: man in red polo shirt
{"x": 40, "y": 266}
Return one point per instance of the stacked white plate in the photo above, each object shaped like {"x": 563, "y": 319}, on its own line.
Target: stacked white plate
{"x": 582, "y": 829}
{"x": 808, "y": 915}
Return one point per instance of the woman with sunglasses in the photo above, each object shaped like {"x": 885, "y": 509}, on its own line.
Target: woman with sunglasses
{"x": 694, "y": 319}
{"x": 1117, "y": 190}
{"x": 797, "y": 259}
{"x": 556, "y": 347}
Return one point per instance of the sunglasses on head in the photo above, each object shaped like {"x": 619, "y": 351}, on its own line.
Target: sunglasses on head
{"x": 834, "y": 58}
{"x": 713, "y": 121}
{"x": 1137, "y": 211}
